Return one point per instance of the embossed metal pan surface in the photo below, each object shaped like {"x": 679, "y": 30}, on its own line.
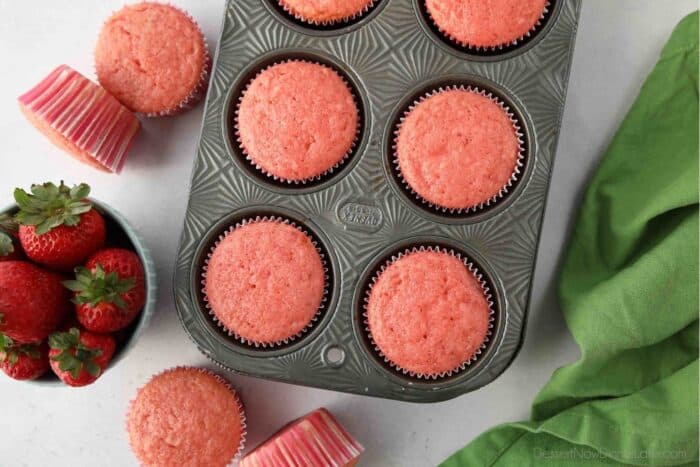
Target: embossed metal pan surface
{"x": 361, "y": 215}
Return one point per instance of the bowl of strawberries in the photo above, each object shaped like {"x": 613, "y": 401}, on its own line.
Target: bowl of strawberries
{"x": 77, "y": 286}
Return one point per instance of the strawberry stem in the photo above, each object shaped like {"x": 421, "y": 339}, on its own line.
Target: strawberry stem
{"x": 74, "y": 355}
{"x": 97, "y": 286}
{"x": 49, "y": 206}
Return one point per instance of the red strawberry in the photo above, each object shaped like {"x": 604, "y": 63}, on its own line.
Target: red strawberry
{"x": 80, "y": 357}
{"x": 23, "y": 361}
{"x": 58, "y": 227}
{"x": 110, "y": 291}
{"x": 33, "y": 302}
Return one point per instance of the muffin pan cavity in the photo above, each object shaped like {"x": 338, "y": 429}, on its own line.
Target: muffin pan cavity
{"x": 324, "y": 29}
{"x": 497, "y": 53}
{"x": 475, "y": 84}
{"x": 361, "y": 214}
{"x": 236, "y": 94}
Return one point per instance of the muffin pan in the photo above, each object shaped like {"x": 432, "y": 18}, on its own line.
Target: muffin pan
{"x": 361, "y": 215}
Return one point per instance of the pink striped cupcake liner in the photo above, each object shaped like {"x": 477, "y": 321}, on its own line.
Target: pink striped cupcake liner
{"x": 82, "y": 118}
{"x": 316, "y": 439}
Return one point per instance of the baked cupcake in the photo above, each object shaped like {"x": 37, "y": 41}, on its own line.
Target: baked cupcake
{"x": 490, "y": 25}
{"x": 153, "y": 58}
{"x": 428, "y": 312}
{"x": 458, "y": 149}
{"x": 81, "y": 118}
{"x": 297, "y": 121}
{"x": 265, "y": 281}
{"x": 186, "y": 416}
{"x": 326, "y": 12}
{"x": 317, "y": 439}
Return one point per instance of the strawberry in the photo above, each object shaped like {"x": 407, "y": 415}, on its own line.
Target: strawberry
{"x": 58, "y": 227}
{"x": 109, "y": 291}
{"x": 9, "y": 250}
{"x": 23, "y": 361}
{"x": 33, "y": 302}
{"x": 80, "y": 357}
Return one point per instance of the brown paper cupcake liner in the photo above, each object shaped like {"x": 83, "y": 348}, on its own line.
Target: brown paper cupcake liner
{"x": 326, "y": 283}
{"x": 520, "y": 163}
{"x": 492, "y": 48}
{"x": 347, "y": 19}
{"x": 477, "y": 275}
{"x": 241, "y": 408}
{"x": 316, "y": 178}
{"x": 200, "y": 90}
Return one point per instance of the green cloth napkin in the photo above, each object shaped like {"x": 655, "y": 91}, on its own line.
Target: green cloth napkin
{"x": 629, "y": 293}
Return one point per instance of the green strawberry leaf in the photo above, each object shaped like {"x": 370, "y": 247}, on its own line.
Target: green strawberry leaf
{"x": 49, "y": 206}
{"x": 97, "y": 286}
{"x": 7, "y": 246}
{"x": 74, "y": 355}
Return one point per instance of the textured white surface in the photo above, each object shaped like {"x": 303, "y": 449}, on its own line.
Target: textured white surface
{"x": 617, "y": 45}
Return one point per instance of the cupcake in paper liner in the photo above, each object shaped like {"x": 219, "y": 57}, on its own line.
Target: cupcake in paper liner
{"x": 428, "y": 312}
{"x": 326, "y": 12}
{"x": 153, "y": 57}
{"x": 185, "y": 414}
{"x": 265, "y": 281}
{"x": 81, "y": 118}
{"x": 487, "y": 26}
{"x": 297, "y": 121}
{"x": 458, "y": 149}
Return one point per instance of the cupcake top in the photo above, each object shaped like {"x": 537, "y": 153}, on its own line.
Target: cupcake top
{"x": 297, "y": 120}
{"x": 427, "y": 313}
{"x": 486, "y": 23}
{"x": 186, "y": 415}
{"x": 457, "y": 149}
{"x": 325, "y": 11}
{"x": 265, "y": 282}
{"x": 152, "y": 57}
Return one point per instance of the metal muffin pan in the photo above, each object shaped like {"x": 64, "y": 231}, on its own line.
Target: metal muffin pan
{"x": 361, "y": 215}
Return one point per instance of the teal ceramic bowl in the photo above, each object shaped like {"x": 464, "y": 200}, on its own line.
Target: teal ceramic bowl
{"x": 119, "y": 234}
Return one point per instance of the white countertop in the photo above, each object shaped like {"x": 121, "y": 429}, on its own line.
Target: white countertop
{"x": 618, "y": 43}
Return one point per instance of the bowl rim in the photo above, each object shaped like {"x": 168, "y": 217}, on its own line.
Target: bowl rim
{"x": 149, "y": 268}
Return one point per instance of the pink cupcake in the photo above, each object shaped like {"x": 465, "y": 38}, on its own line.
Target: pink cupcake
{"x": 314, "y": 440}
{"x": 186, "y": 416}
{"x": 428, "y": 312}
{"x": 326, "y": 12}
{"x": 153, "y": 58}
{"x": 458, "y": 149}
{"x": 265, "y": 281}
{"x": 297, "y": 121}
{"x": 81, "y": 118}
{"x": 487, "y": 25}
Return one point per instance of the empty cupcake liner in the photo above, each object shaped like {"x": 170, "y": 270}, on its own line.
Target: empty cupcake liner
{"x": 326, "y": 285}
{"x": 241, "y": 408}
{"x": 520, "y": 163}
{"x": 347, "y": 19}
{"x": 477, "y": 275}
{"x": 200, "y": 89}
{"x": 496, "y": 48}
{"x": 327, "y": 173}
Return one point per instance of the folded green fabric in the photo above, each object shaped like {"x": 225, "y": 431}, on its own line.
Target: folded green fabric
{"x": 629, "y": 293}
